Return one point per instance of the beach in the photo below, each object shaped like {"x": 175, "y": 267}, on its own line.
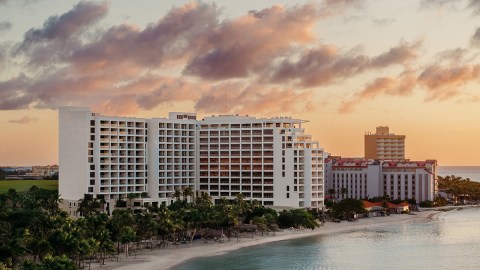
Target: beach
{"x": 168, "y": 257}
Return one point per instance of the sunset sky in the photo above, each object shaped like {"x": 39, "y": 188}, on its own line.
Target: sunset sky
{"x": 347, "y": 66}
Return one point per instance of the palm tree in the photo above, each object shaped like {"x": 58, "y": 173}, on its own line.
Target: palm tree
{"x": 105, "y": 243}
{"x": 88, "y": 205}
{"x": 241, "y": 206}
{"x": 187, "y": 192}
{"x": 331, "y": 192}
{"x": 343, "y": 191}
{"x": 51, "y": 204}
{"x": 177, "y": 194}
{"x": 143, "y": 195}
{"x": 12, "y": 197}
{"x": 127, "y": 235}
{"x": 130, "y": 197}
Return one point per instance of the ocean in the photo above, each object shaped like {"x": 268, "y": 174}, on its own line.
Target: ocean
{"x": 451, "y": 241}
{"x": 472, "y": 172}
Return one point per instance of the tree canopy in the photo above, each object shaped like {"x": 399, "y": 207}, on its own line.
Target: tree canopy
{"x": 36, "y": 234}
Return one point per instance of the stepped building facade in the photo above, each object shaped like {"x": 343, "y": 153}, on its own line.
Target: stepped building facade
{"x": 271, "y": 160}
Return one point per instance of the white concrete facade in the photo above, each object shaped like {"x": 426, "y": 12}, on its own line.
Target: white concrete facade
{"x": 368, "y": 178}
{"x": 270, "y": 160}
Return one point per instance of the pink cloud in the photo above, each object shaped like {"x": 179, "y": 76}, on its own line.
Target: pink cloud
{"x": 324, "y": 64}
{"x": 240, "y": 47}
{"x": 237, "y": 97}
{"x": 24, "y": 120}
{"x": 440, "y": 82}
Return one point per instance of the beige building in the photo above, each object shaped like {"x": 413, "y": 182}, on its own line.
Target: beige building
{"x": 48, "y": 170}
{"x": 384, "y": 145}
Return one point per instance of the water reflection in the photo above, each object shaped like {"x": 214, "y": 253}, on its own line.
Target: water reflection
{"x": 451, "y": 241}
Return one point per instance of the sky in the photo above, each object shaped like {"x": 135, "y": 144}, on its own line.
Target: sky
{"x": 346, "y": 66}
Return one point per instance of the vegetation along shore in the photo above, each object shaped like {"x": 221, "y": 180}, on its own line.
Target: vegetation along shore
{"x": 36, "y": 234}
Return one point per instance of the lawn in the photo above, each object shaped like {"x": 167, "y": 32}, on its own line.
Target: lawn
{"x": 22, "y": 185}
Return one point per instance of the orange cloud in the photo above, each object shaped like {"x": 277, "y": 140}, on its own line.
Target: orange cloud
{"x": 23, "y": 120}
{"x": 324, "y": 65}
{"x": 253, "y": 98}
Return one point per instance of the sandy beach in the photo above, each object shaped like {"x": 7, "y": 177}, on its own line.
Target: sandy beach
{"x": 166, "y": 258}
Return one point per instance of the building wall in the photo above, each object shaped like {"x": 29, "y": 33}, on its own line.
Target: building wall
{"x": 398, "y": 180}
{"x": 172, "y": 156}
{"x": 73, "y": 152}
{"x": 384, "y": 145}
{"x": 270, "y": 160}
{"x": 118, "y": 159}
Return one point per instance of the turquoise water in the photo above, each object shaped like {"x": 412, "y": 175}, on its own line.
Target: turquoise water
{"x": 452, "y": 241}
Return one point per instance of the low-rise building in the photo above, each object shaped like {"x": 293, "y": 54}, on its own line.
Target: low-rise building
{"x": 44, "y": 171}
{"x": 365, "y": 178}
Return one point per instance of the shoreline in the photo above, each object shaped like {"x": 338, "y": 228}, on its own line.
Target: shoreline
{"x": 169, "y": 257}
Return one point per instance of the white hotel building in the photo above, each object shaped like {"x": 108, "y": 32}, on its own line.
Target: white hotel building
{"x": 270, "y": 160}
{"x": 364, "y": 178}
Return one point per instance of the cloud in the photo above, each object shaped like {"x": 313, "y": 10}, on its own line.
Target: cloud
{"x": 440, "y": 82}
{"x": 455, "y": 56}
{"x": 12, "y": 94}
{"x": 444, "y": 82}
{"x": 3, "y": 56}
{"x": 324, "y": 64}
{"x": 24, "y": 120}
{"x": 240, "y": 47}
{"x": 475, "y": 39}
{"x": 170, "y": 90}
{"x": 475, "y": 6}
{"x": 436, "y": 3}
{"x": 342, "y": 4}
{"x": 266, "y": 61}
{"x": 170, "y": 40}
{"x": 236, "y": 97}
{"x": 5, "y": 26}
{"x": 400, "y": 54}
{"x": 123, "y": 68}
{"x": 24, "y": 2}
{"x": 402, "y": 86}
{"x": 63, "y": 28}
{"x": 383, "y": 21}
